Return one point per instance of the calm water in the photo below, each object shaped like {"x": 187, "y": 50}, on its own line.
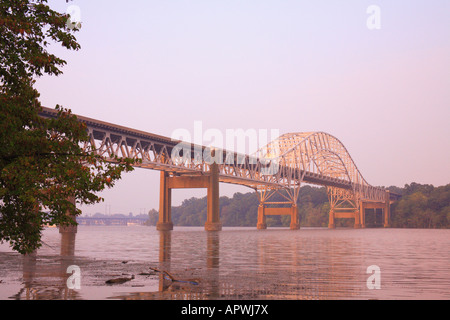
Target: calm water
{"x": 236, "y": 263}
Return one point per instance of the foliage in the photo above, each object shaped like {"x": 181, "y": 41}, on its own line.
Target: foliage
{"x": 42, "y": 162}
{"x": 422, "y": 206}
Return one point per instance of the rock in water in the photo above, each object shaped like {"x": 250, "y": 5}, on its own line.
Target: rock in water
{"x": 119, "y": 280}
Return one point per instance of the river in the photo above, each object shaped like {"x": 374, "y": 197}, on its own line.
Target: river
{"x": 235, "y": 263}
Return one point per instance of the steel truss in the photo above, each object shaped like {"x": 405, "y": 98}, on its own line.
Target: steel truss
{"x": 284, "y": 164}
{"x": 309, "y": 157}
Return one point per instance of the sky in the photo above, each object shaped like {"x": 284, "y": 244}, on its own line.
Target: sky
{"x": 378, "y": 80}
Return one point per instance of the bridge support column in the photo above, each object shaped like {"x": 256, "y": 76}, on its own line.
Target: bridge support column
{"x": 213, "y": 213}
{"x": 211, "y": 182}
{"x": 331, "y": 224}
{"x": 71, "y": 228}
{"x": 358, "y": 215}
{"x": 362, "y": 214}
{"x": 295, "y": 225}
{"x": 387, "y": 210}
{"x": 262, "y": 225}
{"x": 165, "y": 195}
{"x": 68, "y": 234}
{"x": 357, "y": 220}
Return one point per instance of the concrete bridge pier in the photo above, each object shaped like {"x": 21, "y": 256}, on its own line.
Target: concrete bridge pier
{"x": 362, "y": 215}
{"x": 344, "y": 213}
{"x": 358, "y": 219}
{"x": 165, "y": 200}
{"x": 356, "y": 211}
{"x": 209, "y": 181}
{"x": 68, "y": 235}
{"x": 387, "y": 210}
{"x": 331, "y": 224}
{"x": 295, "y": 223}
{"x": 261, "y": 224}
{"x": 384, "y": 206}
{"x": 264, "y": 211}
{"x": 213, "y": 213}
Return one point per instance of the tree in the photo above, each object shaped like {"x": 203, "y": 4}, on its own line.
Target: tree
{"x": 42, "y": 162}
{"x": 152, "y": 217}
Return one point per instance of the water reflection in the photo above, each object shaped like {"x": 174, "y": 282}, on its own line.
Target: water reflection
{"x": 165, "y": 244}
{"x": 235, "y": 264}
{"x": 303, "y": 268}
{"x": 213, "y": 287}
{"x": 45, "y": 278}
{"x": 185, "y": 287}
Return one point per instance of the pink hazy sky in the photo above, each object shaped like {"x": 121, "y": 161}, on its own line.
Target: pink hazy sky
{"x": 289, "y": 65}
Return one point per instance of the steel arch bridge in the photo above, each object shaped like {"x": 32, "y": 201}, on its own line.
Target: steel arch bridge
{"x": 322, "y": 159}
{"x": 280, "y": 167}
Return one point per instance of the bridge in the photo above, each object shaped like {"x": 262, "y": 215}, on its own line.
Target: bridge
{"x": 280, "y": 167}
{"x": 110, "y": 221}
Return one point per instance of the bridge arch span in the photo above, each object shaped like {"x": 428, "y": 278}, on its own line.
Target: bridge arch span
{"x": 318, "y": 154}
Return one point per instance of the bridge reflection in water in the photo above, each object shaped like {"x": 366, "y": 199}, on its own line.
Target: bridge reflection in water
{"x": 211, "y": 267}
{"x": 220, "y": 276}
{"x": 49, "y": 282}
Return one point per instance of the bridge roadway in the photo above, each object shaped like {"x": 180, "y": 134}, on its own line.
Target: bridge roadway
{"x": 327, "y": 164}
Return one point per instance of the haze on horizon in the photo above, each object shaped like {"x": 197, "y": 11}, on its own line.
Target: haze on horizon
{"x": 295, "y": 66}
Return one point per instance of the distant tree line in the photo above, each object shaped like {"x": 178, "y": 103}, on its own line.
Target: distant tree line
{"x": 421, "y": 206}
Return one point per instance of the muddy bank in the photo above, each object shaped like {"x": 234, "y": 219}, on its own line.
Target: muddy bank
{"x": 51, "y": 278}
